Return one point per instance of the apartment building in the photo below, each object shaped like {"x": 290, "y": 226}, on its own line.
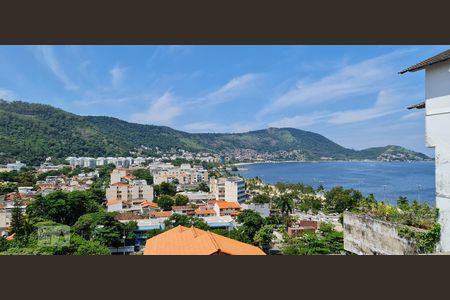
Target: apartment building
{"x": 185, "y": 174}
{"x": 124, "y": 187}
{"x": 437, "y": 123}
{"x": 231, "y": 189}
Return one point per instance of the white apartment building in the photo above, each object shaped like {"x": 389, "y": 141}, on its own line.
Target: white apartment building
{"x": 231, "y": 189}
{"x": 15, "y": 166}
{"x": 184, "y": 174}
{"x": 437, "y": 136}
{"x": 124, "y": 187}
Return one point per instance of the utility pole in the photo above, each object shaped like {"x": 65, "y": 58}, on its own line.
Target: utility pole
{"x": 419, "y": 187}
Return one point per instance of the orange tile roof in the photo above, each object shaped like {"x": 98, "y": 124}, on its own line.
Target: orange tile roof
{"x": 115, "y": 201}
{"x": 129, "y": 217}
{"x": 149, "y": 204}
{"x": 205, "y": 212}
{"x": 182, "y": 207}
{"x": 161, "y": 214}
{"x": 226, "y": 204}
{"x": 120, "y": 184}
{"x": 11, "y": 237}
{"x": 193, "y": 241}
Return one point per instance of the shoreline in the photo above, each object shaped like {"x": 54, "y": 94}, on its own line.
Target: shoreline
{"x": 326, "y": 161}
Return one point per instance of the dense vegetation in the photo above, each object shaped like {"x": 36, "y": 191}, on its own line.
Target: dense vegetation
{"x": 32, "y": 132}
{"x": 90, "y": 230}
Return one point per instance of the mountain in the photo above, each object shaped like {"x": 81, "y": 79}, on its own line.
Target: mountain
{"x": 31, "y": 132}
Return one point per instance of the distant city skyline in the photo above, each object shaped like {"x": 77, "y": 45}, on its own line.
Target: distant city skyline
{"x": 350, "y": 94}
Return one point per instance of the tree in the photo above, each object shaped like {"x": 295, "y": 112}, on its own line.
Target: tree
{"x": 63, "y": 207}
{"x": 310, "y": 203}
{"x": 186, "y": 221}
{"x": 339, "y": 199}
{"x": 92, "y": 248}
{"x": 143, "y": 174}
{"x": 402, "y": 202}
{"x": 165, "y": 202}
{"x": 285, "y": 203}
{"x": 251, "y": 222}
{"x": 17, "y": 222}
{"x": 264, "y": 237}
{"x": 3, "y": 244}
{"x": 165, "y": 188}
{"x": 326, "y": 241}
{"x": 203, "y": 187}
{"x": 261, "y": 199}
{"x": 180, "y": 199}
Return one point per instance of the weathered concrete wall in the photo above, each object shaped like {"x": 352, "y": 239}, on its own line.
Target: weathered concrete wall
{"x": 364, "y": 235}
{"x": 437, "y": 124}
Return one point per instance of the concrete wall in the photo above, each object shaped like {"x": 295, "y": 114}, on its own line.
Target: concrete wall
{"x": 437, "y": 124}
{"x": 364, "y": 235}
{"x": 437, "y": 80}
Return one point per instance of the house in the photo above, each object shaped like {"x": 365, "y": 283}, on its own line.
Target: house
{"x": 262, "y": 208}
{"x": 205, "y": 212}
{"x": 17, "y": 166}
{"x": 198, "y": 197}
{"x": 193, "y": 241}
{"x": 220, "y": 222}
{"x": 184, "y": 209}
{"x": 224, "y": 208}
{"x": 148, "y": 206}
{"x": 437, "y": 124}
{"x": 160, "y": 214}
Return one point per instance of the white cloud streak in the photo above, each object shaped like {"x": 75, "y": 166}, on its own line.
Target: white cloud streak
{"x": 48, "y": 57}
{"x": 161, "y": 111}
{"x": 6, "y": 94}
{"x": 362, "y": 78}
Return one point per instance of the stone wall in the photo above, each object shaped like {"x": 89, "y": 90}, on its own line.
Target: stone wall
{"x": 364, "y": 235}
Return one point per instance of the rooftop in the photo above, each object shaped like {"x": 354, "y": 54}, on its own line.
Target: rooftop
{"x": 443, "y": 56}
{"x": 193, "y": 241}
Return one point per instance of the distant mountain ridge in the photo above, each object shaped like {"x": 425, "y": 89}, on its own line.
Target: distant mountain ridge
{"x": 31, "y": 132}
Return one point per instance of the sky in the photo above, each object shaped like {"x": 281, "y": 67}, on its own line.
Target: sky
{"x": 353, "y": 95}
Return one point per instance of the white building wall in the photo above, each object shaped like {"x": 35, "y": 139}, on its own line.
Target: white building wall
{"x": 437, "y": 124}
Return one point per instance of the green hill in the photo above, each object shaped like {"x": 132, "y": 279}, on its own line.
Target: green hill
{"x": 31, "y": 132}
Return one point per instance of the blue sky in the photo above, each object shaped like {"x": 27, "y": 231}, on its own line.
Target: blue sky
{"x": 351, "y": 94}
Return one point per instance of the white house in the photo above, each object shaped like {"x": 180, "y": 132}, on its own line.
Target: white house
{"x": 437, "y": 135}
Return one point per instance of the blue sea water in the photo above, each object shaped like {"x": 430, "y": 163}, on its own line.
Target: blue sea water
{"x": 386, "y": 180}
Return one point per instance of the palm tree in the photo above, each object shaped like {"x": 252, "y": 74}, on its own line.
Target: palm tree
{"x": 285, "y": 204}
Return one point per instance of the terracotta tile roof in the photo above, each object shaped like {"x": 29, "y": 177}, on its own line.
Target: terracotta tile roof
{"x": 129, "y": 216}
{"x": 201, "y": 212}
{"x": 193, "y": 241}
{"x": 115, "y": 201}
{"x": 160, "y": 214}
{"x": 228, "y": 205}
{"x": 183, "y": 207}
{"x": 149, "y": 204}
{"x": 120, "y": 184}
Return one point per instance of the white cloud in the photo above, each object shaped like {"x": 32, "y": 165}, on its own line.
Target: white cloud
{"x": 6, "y": 94}
{"x": 362, "y": 78}
{"x": 387, "y": 103}
{"x": 419, "y": 114}
{"x": 299, "y": 121}
{"x": 161, "y": 111}
{"x": 211, "y": 127}
{"x": 49, "y": 59}
{"x": 236, "y": 87}
{"x": 117, "y": 75}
